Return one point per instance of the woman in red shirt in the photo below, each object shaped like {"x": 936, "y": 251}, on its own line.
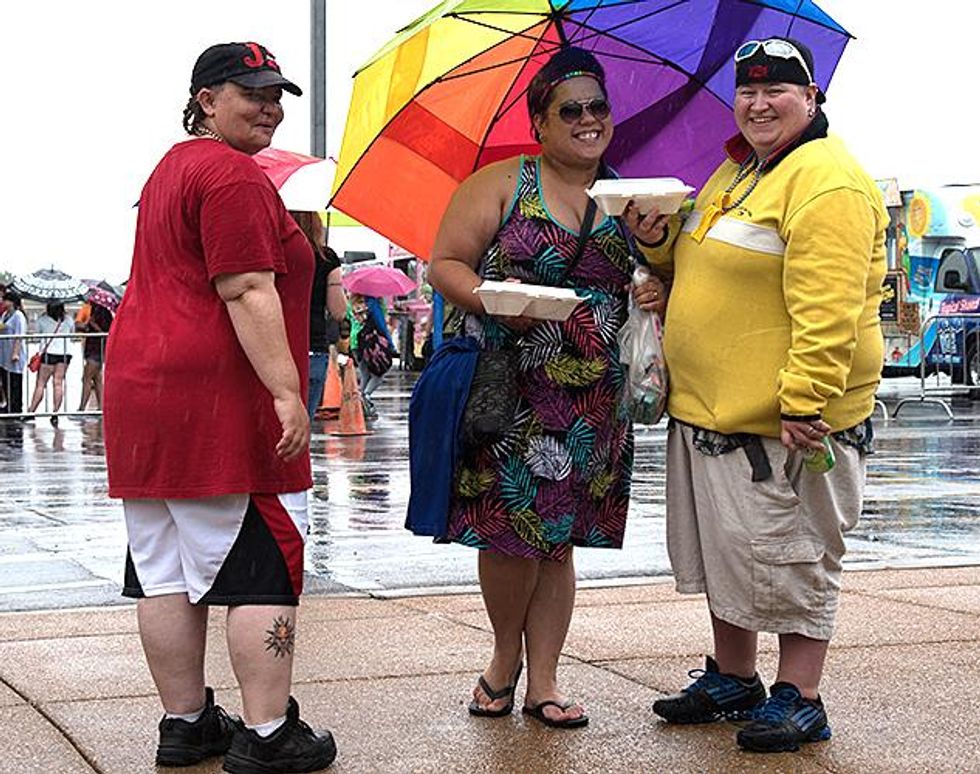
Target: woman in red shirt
{"x": 207, "y": 436}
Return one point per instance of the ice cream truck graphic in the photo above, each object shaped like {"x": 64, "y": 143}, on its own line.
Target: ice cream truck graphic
{"x": 931, "y": 305}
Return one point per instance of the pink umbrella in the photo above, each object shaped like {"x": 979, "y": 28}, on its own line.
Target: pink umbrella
{"x": 303, "y": 181}
{"x": 103, "y": 297}
{"x": 280, "y": 164}
{"x": 379, "y": 282}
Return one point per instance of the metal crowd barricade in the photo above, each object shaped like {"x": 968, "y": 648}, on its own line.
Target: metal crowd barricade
{"x": 939, "y": 394}
{"x": 73, "y": 388}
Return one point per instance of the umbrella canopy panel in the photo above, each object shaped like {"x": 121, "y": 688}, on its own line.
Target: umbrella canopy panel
{"x": 303, "y": 181}
{"x": 379, "y": 282}
{"x": 104, "y": 298}
{"x": 50, "y": 285}
{"x": 447, "y": 94}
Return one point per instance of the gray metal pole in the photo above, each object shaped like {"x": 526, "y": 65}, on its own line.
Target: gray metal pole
{"x": 318, "y": 78}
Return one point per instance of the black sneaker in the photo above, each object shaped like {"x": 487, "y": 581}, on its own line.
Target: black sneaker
{"x": 293, "y": 747}
{"x": 784, "y": 722}
{"x": 712, "y": 696}
{"x": 184, "y": 744}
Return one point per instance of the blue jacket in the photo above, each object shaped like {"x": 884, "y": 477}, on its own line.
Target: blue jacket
{"x": 434, "y": 416}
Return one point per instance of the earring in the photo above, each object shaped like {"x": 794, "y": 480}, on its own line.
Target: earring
{"x": 810, "y": 113}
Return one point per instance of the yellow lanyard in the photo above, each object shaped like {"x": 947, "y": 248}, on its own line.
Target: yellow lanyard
{"x": 722, "y": 202}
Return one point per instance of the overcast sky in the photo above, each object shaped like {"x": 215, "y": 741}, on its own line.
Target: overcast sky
{"x": 96, "y": 90}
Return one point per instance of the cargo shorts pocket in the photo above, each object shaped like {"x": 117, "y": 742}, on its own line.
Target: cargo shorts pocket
{"x": 788, "y": 576}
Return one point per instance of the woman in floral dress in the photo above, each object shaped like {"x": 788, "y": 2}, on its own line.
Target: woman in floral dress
{"x": 560, "y": 476}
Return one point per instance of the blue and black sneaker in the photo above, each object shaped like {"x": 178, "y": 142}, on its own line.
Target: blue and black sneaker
{"x": 712, "y": 696}
{"x": 784, "y": 722}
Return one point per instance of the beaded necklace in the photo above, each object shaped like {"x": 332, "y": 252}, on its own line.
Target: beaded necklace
{"x": 723, "y": 201}
{"x": 751, "y": 163}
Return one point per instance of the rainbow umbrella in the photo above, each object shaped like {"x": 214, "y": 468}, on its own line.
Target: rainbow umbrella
{"x": 446, "y": 95}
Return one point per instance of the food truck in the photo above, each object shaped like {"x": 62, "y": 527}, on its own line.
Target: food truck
{"x": 931, "y": 305}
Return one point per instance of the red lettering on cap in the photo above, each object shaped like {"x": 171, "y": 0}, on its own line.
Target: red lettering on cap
{"x": 257, "y": 59}
{"x": 759, "y": 71}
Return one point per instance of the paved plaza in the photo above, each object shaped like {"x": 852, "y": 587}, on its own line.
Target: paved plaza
{"x": 393, "y": 635}
{"x": 390, "y": 676}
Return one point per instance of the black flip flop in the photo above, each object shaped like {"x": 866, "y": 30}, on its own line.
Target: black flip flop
{"x": 477, "y": 711}
{"x": 537, "y": 712}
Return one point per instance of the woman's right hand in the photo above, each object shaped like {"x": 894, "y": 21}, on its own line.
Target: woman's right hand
{"x": 295, "y": 426}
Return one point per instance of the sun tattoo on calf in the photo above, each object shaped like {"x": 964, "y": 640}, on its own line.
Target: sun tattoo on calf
{"x": 282, "y": 637}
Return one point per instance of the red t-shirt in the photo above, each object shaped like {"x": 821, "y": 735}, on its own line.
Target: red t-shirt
{"x": 185, "y": 413}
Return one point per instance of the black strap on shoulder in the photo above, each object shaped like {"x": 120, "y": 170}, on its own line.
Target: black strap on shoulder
{"x": 583, "y": 235}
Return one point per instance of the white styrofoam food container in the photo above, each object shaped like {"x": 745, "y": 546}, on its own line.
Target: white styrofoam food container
{"x": 513, "y": 299}
{"x": 664, "y": 193}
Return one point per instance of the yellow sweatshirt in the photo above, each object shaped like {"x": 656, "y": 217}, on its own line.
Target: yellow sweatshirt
{"x": 775, "y": 313}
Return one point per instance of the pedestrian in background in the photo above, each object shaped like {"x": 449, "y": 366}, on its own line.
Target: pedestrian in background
{"x": 55, "y": 357}
{"x": 3, "y": 392}
{"x": 372, "y": 347}
{"x": 98, "y": 320}
{"x": 774, "y": 347}
{"x": 12, "y": 351}
{"x": 206, "y": 431}
{"x": 328, "y": 304}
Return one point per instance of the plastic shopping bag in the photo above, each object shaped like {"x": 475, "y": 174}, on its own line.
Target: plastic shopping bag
{"x": 641, "y": 351}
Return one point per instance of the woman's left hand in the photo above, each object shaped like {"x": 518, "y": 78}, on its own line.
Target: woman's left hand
{"x": 520, "y": 324}
{"x": 295, "y": 426}
{"x": 648, "y": 227}
{"x": 804, "y": 435}
{"x": 651, "y": 296}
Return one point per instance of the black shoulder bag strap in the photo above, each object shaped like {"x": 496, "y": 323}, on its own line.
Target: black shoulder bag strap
{"x": 583, "y": 235}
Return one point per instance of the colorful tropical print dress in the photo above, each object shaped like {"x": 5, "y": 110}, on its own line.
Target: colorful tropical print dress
{"x": 561, "y": 475}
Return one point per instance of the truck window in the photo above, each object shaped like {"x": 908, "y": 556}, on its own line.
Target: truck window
{"x": 973, "y": 259}
{"x": 954, "y": 275}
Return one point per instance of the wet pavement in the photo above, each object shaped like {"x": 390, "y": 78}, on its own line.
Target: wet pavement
{"x": 391, "y": 678}
{"x": 62, "y": 540}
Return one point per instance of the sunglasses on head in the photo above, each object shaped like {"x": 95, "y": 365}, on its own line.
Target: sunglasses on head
{"x": 572, "y": 111}
{"x": 780, "y": 49}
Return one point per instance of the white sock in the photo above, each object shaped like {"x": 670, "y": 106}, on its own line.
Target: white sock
{"x": 265, "y": 729}
{"x": 190, "y": 717}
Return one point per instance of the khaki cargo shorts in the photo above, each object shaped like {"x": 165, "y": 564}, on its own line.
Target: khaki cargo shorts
{"x": 767, "y": 553}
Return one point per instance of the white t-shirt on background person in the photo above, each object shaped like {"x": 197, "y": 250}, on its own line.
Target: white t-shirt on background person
{"x": 57, "y": 346}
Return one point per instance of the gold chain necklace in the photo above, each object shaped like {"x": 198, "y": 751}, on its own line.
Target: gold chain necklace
{"x": 203, "y": 131}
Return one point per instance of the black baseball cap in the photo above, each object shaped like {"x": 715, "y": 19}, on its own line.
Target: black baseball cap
{"x": 759, "y": 61}
{"x": 247, "y": 64}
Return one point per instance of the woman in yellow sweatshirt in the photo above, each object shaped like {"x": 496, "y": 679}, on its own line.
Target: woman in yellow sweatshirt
{"x": 774, "y": 347}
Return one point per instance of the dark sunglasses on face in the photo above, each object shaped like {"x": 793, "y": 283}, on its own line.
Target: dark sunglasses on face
{"x": 572, "y": 111}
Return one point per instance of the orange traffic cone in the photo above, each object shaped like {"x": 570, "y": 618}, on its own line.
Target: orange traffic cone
{"x": 351, "y": 408}
{"x": 332, "y": 391}
{"x": 348, "y": 447}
